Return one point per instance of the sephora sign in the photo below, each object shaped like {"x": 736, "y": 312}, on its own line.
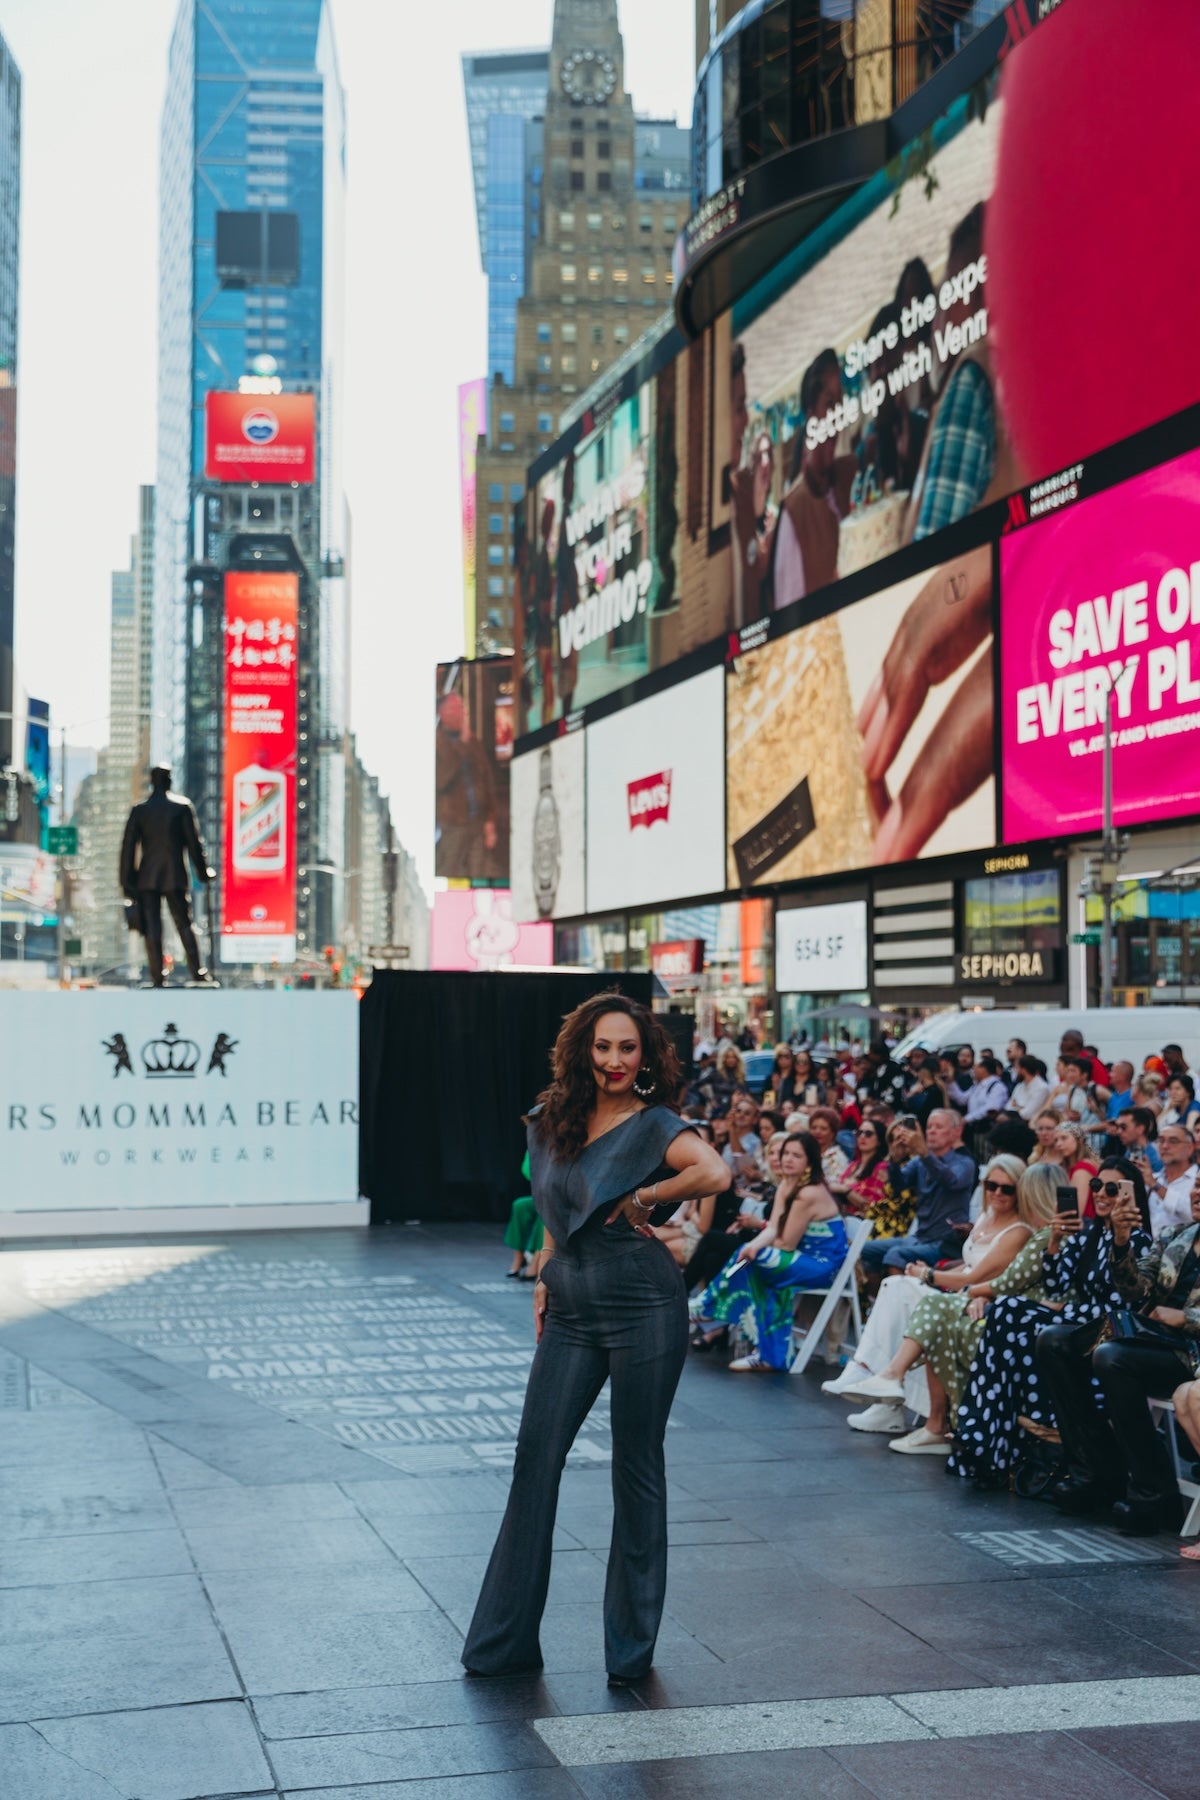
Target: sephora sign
{"x": 180, "y": 1100}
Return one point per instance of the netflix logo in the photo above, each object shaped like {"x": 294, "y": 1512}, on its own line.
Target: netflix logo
{"x": 650, "y": 799}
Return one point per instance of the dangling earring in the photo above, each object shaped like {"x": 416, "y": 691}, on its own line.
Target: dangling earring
{"x": 644, "y": 1083}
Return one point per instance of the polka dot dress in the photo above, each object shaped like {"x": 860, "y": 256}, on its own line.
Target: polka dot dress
{"x": 1003, "y": 1383}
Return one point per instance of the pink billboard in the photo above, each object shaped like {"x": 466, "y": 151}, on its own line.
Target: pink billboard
{"x": 1105, "y": 594}
{"x": 474, "y": 928}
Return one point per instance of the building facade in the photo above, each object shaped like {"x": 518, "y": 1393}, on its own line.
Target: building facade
{"x": 253, "y": 138}
{"x": 603, "y": 195}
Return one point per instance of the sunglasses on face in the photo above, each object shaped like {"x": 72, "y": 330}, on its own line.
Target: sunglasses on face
{"x": 1098, "y": 1186}
{"x": 998, "y": 1187}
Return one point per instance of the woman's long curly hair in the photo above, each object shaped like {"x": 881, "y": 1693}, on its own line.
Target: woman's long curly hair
{"x": 569, "y": 1101}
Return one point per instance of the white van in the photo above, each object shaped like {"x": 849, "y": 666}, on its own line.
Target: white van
{"x": 1129, "y": 1032}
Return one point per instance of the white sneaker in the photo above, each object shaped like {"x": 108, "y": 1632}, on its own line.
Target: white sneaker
{"x": 851, "y": 1375}
{"x": 922, "y": 1442}
{"x": 880, "y": 1417}
{"x": 875, "y": 1387}
{"x": 751, "y": 1365}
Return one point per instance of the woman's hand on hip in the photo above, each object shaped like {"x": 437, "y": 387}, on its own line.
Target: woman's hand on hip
{"x": 541, "y": 1300}
{"x": 636, "y": 1211}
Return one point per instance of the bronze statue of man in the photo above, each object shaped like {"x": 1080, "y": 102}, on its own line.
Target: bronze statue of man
{"x": 159, "y": 833}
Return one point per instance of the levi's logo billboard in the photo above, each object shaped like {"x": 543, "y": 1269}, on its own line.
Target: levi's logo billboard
{"x": 650, "y": 799}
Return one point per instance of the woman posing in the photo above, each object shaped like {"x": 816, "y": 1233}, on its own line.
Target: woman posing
{"x": 801, "y": 1245}
{"x": 606, "y": 1147}
{"x": 1077, "y": 1286}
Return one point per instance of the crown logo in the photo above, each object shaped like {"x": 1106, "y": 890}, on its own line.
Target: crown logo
{"x": 170, "y": 1055}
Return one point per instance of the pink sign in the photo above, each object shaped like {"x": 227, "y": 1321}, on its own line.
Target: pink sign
{"x": 473, "y": 928}
{"x": 1105, "y": 594}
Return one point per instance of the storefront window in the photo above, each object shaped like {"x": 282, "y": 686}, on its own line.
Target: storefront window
{"x": 1013, "y": 912}
{"x": 599, "y": 944}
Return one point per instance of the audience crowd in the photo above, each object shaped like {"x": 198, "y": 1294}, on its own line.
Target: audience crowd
{"x": 1032, "y": 1272}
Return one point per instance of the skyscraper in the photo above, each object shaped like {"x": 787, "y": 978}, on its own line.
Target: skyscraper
{"x": 10, "y": 233}
{"x": 252, "y": 196}
{"x": 602, "y": 196}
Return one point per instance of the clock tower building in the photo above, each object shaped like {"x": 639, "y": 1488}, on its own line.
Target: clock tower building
{"x": 606, "y": 195}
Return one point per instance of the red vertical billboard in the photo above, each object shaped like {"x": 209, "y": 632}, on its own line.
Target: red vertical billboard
{"x": 258, "y": 877}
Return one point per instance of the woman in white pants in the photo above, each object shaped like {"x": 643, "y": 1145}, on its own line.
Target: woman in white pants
{"x": 995, "y": 1239}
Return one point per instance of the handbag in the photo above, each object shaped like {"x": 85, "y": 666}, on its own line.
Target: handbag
{"x": 1129, "y": 1327}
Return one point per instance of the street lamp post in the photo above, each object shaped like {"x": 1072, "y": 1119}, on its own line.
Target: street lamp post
{"x": 1104, "y": 870}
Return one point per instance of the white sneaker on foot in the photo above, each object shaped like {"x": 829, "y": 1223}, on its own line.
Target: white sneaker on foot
{"x": 751, "y": 1365}
{"x": 875, "y": 1387}
{"x": 922, "y": 1442}
{"x": 880, "y": 1417}
{"x": 851, "y": 1375}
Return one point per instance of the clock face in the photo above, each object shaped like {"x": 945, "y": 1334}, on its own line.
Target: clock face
{"x": 589, "y": 76}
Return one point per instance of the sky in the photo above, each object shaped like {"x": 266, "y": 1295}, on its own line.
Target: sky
{"x": 93, "y": 79}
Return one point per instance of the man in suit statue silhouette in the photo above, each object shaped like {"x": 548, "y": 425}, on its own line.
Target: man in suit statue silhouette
{"x": 162, "y": 829}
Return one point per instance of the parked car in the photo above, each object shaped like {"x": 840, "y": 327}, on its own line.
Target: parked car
{"x": 758, "y": 1065}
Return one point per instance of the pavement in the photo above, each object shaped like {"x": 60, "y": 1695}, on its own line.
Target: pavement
{"x": 248, "y": 1486}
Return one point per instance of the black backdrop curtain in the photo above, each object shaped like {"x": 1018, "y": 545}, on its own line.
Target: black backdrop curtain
{"x": 447, "y": 1065}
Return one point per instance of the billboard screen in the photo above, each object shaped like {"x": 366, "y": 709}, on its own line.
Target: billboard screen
{"x": 866, "y": 737}
{"x": 473, "y": 752}
{"x": 655, "y": 785}
{"x": 547, "y": 858}
{"x": 587, "y": 581}
{"x": 475, "y": 929}
{"x": 472, "y": 422}
{"x": 258, "y": 873}
{"x": 260, "y": 437}
{"x": 943, "y": 339}
{"x": 1104, "y": 593}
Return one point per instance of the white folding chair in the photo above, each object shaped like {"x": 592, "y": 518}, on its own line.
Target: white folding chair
{"x": 844, "y": 1286}
{"x": 1164, "y": 1418}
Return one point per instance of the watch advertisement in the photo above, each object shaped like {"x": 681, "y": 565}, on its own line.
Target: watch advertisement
{"x": 547, "y": 842}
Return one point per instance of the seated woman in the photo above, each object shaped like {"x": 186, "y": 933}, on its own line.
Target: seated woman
{"x": 735, "y": 1216}
{"x": 688, "y": 1223}
{"x": 523, "y": 1234}
{"x": 944, "y": 1328}
{"x": 824, "y": 1124}
{"x": 862, "y": 1182}
{"x": 1045, "y": 1126}
{"x": 802, "y": 1245}
{"x": 995, "y": 1239}
{"x": 1116, "y": 1456}
{"x": 1077, "y": 1287}
{"x": 1071, "y": 1149}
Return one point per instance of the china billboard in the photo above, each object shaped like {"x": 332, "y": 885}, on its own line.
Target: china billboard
{"x": 547, "y": 841}
{"x": 1103, "y": 595}
{"x": 258, "y": 873}
{"x": 473, "y": 746}
{"x": 866, "y": 737}
{"x": 655, "y": 790}
{"x": 267, "y": 438}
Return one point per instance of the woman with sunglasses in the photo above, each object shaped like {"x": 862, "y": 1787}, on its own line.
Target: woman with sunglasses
{"x": 1077, "y": 1287}
{"x": 1117, "y": 1457}
{"x": 862, "y": 1182}
{"x": 889, "y": 1352}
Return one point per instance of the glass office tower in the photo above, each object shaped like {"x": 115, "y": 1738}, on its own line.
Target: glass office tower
{"x": 505, "y": 91}
{"x": 253, "y": 123}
